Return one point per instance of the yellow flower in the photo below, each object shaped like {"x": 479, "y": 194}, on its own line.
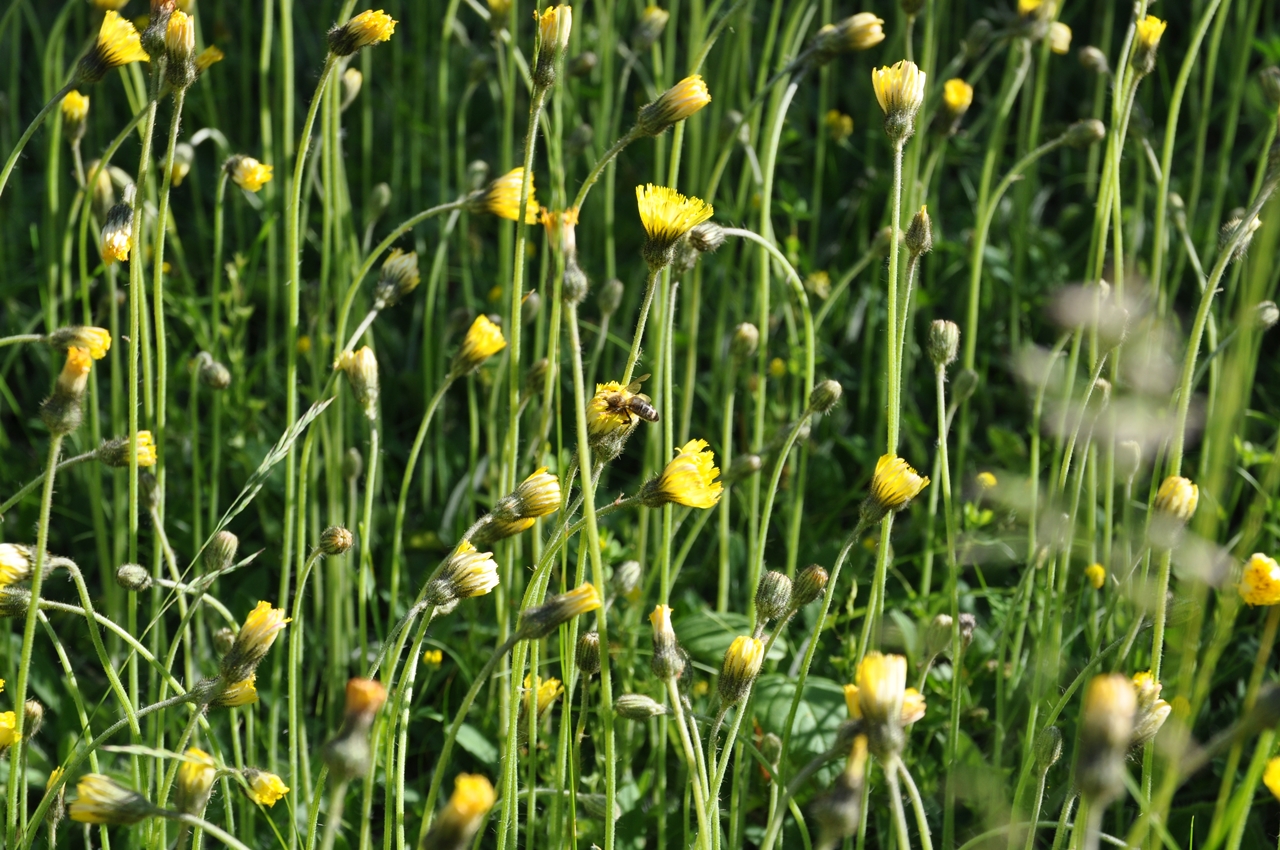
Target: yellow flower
{"x": 465, "y": 574}
{"x": 561, "y": 229}
{"x": 894, "y": 484}
{"x": 265, "y": 789}
{"x": 118, "y": 44}
{"x": 900, "y": 88}
{"x": 361, "y": 369}
{"x": 957, "y": 96}
{"x": 675, "y": 104}
{"x": 259, "y": 631}
{"x": 541, "y": 620}
{"x": 117, "y": 234}
{"x": 689, "y": 479}
{"x": 881, "y": 683}
{"x": 502, "y": 197}
{"x": 97, "y": 341}
{"x": 1271, "y": 776}
{"x": 777, "y": 368}
{"x": 472, "y": 798}
{"x": 75, "y": 111}
{"x": 856, "y": 32}
{"x": 15, "y": 565}
{"x": 75, "y": 373}
{"x": 102, "y": 800}
{"x": 364, "y": 29}
{"x": 55, "y": 776}
{"x": 207, "y": 58}
{"x": 609, "y": 410}
{"x": 1106, "y": 725}
{"x": 1059, "y": 38}
{"x": 364, "y": 697}
{"x": 1151, "y": 711}
{"x": 987, "y": 480}
{"x": 667, "y": 216}
{"x": 483, "y": 340}
{"x": 1097, "y": 575}
{"x": 1260, "y": 583}
{"x": 839, "y": 125}
{"x": 913, "y": 706}
{"x": 240, "y": 693}
{"x": 8, "y": 729}
{"x": 1028, "y": 7}
{"x": 742, "y": 662}
{"x": 1150, "y": 29}
{"x": 195, "y": 779}
{"x": 1175, "y": 504}
{"x": 536, "y": 496}
{"x": 554, "y": 27}
{"x": 180, "y": 36}
{"x": 247, "y": 173}
{"x": 433, "y": 657}
{"x": 547, "y": 692}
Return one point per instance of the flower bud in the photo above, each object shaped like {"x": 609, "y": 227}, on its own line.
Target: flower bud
{"x": 1174, "y": 506}
{"x": 810, "y": 584}
{"x": 1059, "y": 38}
{"x": 745, "y": 341}
{"x": 541, "y": 620}
{"x": 466, "y": 573}
{"x": 256, "y": 636}
{"x": 63, "y": 411}
{"x": 582, "y": 65}
{"x": 223, "y": 640}
{"x": 1147, "y": 43}
{"x": 937, "y": 637}
{"x": 1084, "y": 133}
{"x": 963, "y": 386}
{"x": 742, "y": 662}
{"x": 378, "y": 203}
{"x": 773, "y": 595}
{"x": 1228, "y": 234}
{"x": 707, "y": 237}
{"x": 1094, "y": 60}
{"x": 576, "y": 284}
{"x": 1128, "y": 459}
{"x": 626, "y": 579}
{"x": 653, "y": 20}
{"x": 115, "y": 453}
{"x": 1151, "y": 712}
{"x": 677, "y": 103}
{"x": 944, "y": 342}
{"x": 348, "y": 753}
{"x": 1264, "y": 315}
{"x": 919, "y": 239}
{"x": 610, "y": 296}
{"x": 638, "y": 707}
{"x": 336, "y": 540}
{"x": 1048, "y": 748}
{"x": 771, "y": 749}
{"x": 75, "y": 115}
{"x": 1269, "y": 77}
{"x": 824, "y": 397}
{"x": 554, "y": 26}
{"x": 195, "y": 778}
{"x": 133, "y": 577}
{"x": 668, "y": 659}
{"x": 102, "y": 800}
{"x": 352, "y": 82}
{"x": 180, "y": 46}
{"x": 221, "y": 553}
{"x": 211, "y": 373}
{"x": 857, "y": 32}
{"x": 587, "y": 653}
{"x": 352, "y": 464}
{"x": 399, "y": 277}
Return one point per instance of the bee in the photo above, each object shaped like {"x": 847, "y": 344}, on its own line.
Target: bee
{"x": 632, "y": 402}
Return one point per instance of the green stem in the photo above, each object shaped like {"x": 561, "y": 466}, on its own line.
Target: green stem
{"x": 651, "y": 285}
{"x": 30, "y": 131}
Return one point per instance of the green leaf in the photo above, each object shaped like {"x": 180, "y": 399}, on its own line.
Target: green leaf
{"x": 818, "y": 716}
{"x": 706, "y": 636}
{"x": 474, "y": 742}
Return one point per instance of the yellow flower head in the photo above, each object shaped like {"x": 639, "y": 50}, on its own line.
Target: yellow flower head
{"x": 364, "y": 29}
{"x": 839, "y": 125}
{"x": 1097, "y": 575}
{"x": 987, "y": 480}
{"x": 102, "y": 800}
{"x": 674, "y": 105}
{"x": 8, "y": 729}
{"x": 361, "y": 369}
{"x": 542, "y": 694}
{"x": 1059, "y": 38}
{"x": 55, "y": 776}
{"x": 742, "y": 662}
{"x": 689, "y": 479}
{"x": 115, "y": 453}
{"x": 1260, "y": 583}
{"x": 236, "y": 694}
{"x": 247, "y": 173}
{"x": 1031, "y": 7}
{"x": 207, "y": 58}
{"x": 667, "y": 662}
{"x": 561, "y": 227}
{"x": 1110, "y": 703}
{"x": 913, "y": 706}
{"x": 265, "y": 789}
{"x": 259, "y": 631}
{"x": 118, "y": 44}
{"x": 609, "y": 410}
{"x": 957, "y": 96}
{"x": 856, "y": 32}
{"x": 16, "y": 564}
{"x": 900, "y": 92}
{"x": 75, "y": 111}
{"x": 180, "y": 36}
{"x": 541, "y": 620}
{"x": 483, "y": 340}
{"x": 894, "y": 484}
{"x": 433, "y": 657}
{"x": 1271, "y": 776}
{"x": 97, "y": 341}
{"x": 146, "y": 449}
{"x": 502, "y": 197}
{"x": 473, "y": 796}
{"x": 117, "y": 233}
{"x": 667, "y": 216}
{"x": 1175, "y": 504}
{"x": 554, "y": 26}
{"x": 195, "y": 780}
{"x": 1150, "y": 29}
{"x": 103, "y": 5}
{"x": 465, "y": 574}
{"x": 364, "y": 697}
{"x": 75, "y": 373}
{"x": 537, "y": 496}
{"x": 881, "y": 681}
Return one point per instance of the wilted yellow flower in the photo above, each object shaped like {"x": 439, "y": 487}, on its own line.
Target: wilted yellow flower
{"x": 742, "y": 662}
{"x": 1259, "y": 584}
{"x": 541, "y": 620}
{"x": 483, "y": 340}
{"x": 1151, "y": 711}
{"x": 502, "y": 197}
{"x": 465, "y": 574}
{"x": 667, "y": 216}
{"x": 675, "y": 104}
{"x": 900, "y": 92}
{"x": 364, "y": 29}
{"x": 207, "y": 58}
{"x": 1097, "y": 575}
{"x": 118, "y": 44}
{"x": 361, "y": 369}
{"x": 259, "y": 631}
{"x": 689, "y": 479}
{"x": 1059, "y": 38}
{"x": 236, "y": 694}
{"x": 247, "y": 173}
{"x": 16, "y": 563}
{"x": 8, "y": 729}
{"x": 102, "y": 800}
{"x": 265, "y": 789}
{"x": 473, "y": 796}
{"x": 894, "y": 485}
{"x": 1271, "y": 776}
{"x": 195, "y": 779}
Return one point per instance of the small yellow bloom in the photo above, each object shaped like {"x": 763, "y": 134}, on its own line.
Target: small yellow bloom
{"x": 987, "y": 480}
{"x": 547, "y": 691}
{"x": 16, "y": 564}
{"x": 554, "y": 27}
{"x": 180, "y": 36}
{"x": 240, "y": 693}
{"x": 913, "y": 706}
{"x": 537, "y": 496}
{"x": 1259, "y": 585}
{"x": 957, "y": 96}
{"x": 364, "y": 696}
{"x": 97, "y": 341}
{"x": 541, "y": 620}
{"x": 777, "y": 368}
{"x": 433, "y": 657}
{"x": 247, "y": 173}
{"x": 55, "y": 776}
{"x": 265, "y": 789}
{"x": 75, "y": 372}
{"x": 1175, "y": 504}
{"x": 367, "y": 28}
{"x": 1097, "y": 575}
{"x": 102, "y": 800}
{"x": 502, "y": 197}
{"x": 465, "y": 574}
{"x": 1150, "y": 29}
{"x": 881, "y": 684}
{"x": 483, "y": 340}
{"x": 1151, "y": 711}
{"x": 207, "y": 58}
{"x": 304, "y": 345}
{"x": 1029, "y": 7}
{"x": 689, "y": 479}
{"x": 839, "y": 125}
{"x": 361, "y": 369}
{"x": 117, "y": 234}
{"x": 895, "y": 484}
{"x": 1059, "y": 38}
{"x": 118, "y": 44}
{"x": 8, "y": 729}
{"x": 667, "y": 216}
{"x": 195, "y": 779}
{"x": 115, "y": 453}
{"x": 1271, "y": 776}
{"x": 609, "y": 410}
{"x": 677, "y": 103}
{"x": 856, "y": 32}
{"x": 75, "y": 110}
{"x": 899, "y": 89}
{"x": 742, "y": 662}
{"x": 473, "y": 796}
{"x": 256, "y": 636}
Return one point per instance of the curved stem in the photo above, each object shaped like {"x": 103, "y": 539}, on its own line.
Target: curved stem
{"x": 895, "y": 803}
{"x": 650, "y": 286}
{"x": 30, "y": 131}
{"x": 295, "y": 671}
{"x": 600, "y": 166}
{"x": 917, "y": 804}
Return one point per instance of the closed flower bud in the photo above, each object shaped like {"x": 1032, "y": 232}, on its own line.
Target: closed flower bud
{"x": 352, "y": 82}
{"x": 223, "y": 640}
{"x": 964, "y": 385}
{"x": 1128, "y": 459}
{"x": 62, "y": 412}
{"x": 674, "y": 105}
{"x": 32, "y": 718}
{"x": 900, "y": 92}
{"x": 116, "y": 454}
{"x": 668, "y": 660}
{"x": 825, "y": 396}
{"x": 587, "y": 653}
{"x": 625, "y": 581}
{"x": 1264, "y": 316}
{"x": 377, "y": 204}
{"x": 576, "y": 284}
{"x": 1084, "y": 133}
{"x": 1151, "y": 712}
{"x": 483, "y": 340}
{"x": 352, "y": 464}
{"x": 937, "y": 637}
{"x": 653, "y": 20}
{"x": 707, "y": 237}
{"x": 195, "y": 778}
{"x": 744, "y": 467}
{"x": 944, "y": 342}
{"x": 610, "y": 296}
{"x": 745, "y": 341}
{"x": 535, "y": 378}
{"x": 689, "y": 479}
{"x": 638, "y": 707}
{"x": 741, "y": 665}
{"x": 133, "y": 577}
{"x": 580, "y": 66}
{"x": 1260, "y": 581}
{"x": 773, "y": 595}
{"x": 1228, "y": 235}
{"x": 348, "y": 754}
{"x": 911, "y": 8}
{"x": 180, "y": 47}
{"x": 968, "y": 623}
{"x": 1175, "y": 504}
{"x": 247, "y": 173}
{"x": 213, "y": 374}
{"x": 893, "y": 487}
{"x": 465, "y": 574}
{"x": 117, "y": 233}
{"x": 541, "y": 620}
{"x": 263, "y": 788}
{"x": 14, "y": 601}
{"x": 75, "y": 114}
{"x": 1093, "y": 59}
{"x": 336, "y": 540}
{"x": 810, "y": 584}
{"x": 1106, "y": 725}
{"x": 256, "y": 636}
{"x": 363, "y": 30}
{"x": 856, "y": 32}
{"x": 102, "y": 800}
{"x": 117, "y": 44}
{"x": 221, "y": 553}
{"x": 554, "y": 26}
{"x": 1147, "y": 43}
{"x": 361, "y": 369}
{"x": 919, "y": 238}
{"x": 1059, "y": 37}
{"x": 473, "y": 796}
{"x": 103, "y": 191}
{"x": 1048, "y": 748}
{"x": 399, "y": 277}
